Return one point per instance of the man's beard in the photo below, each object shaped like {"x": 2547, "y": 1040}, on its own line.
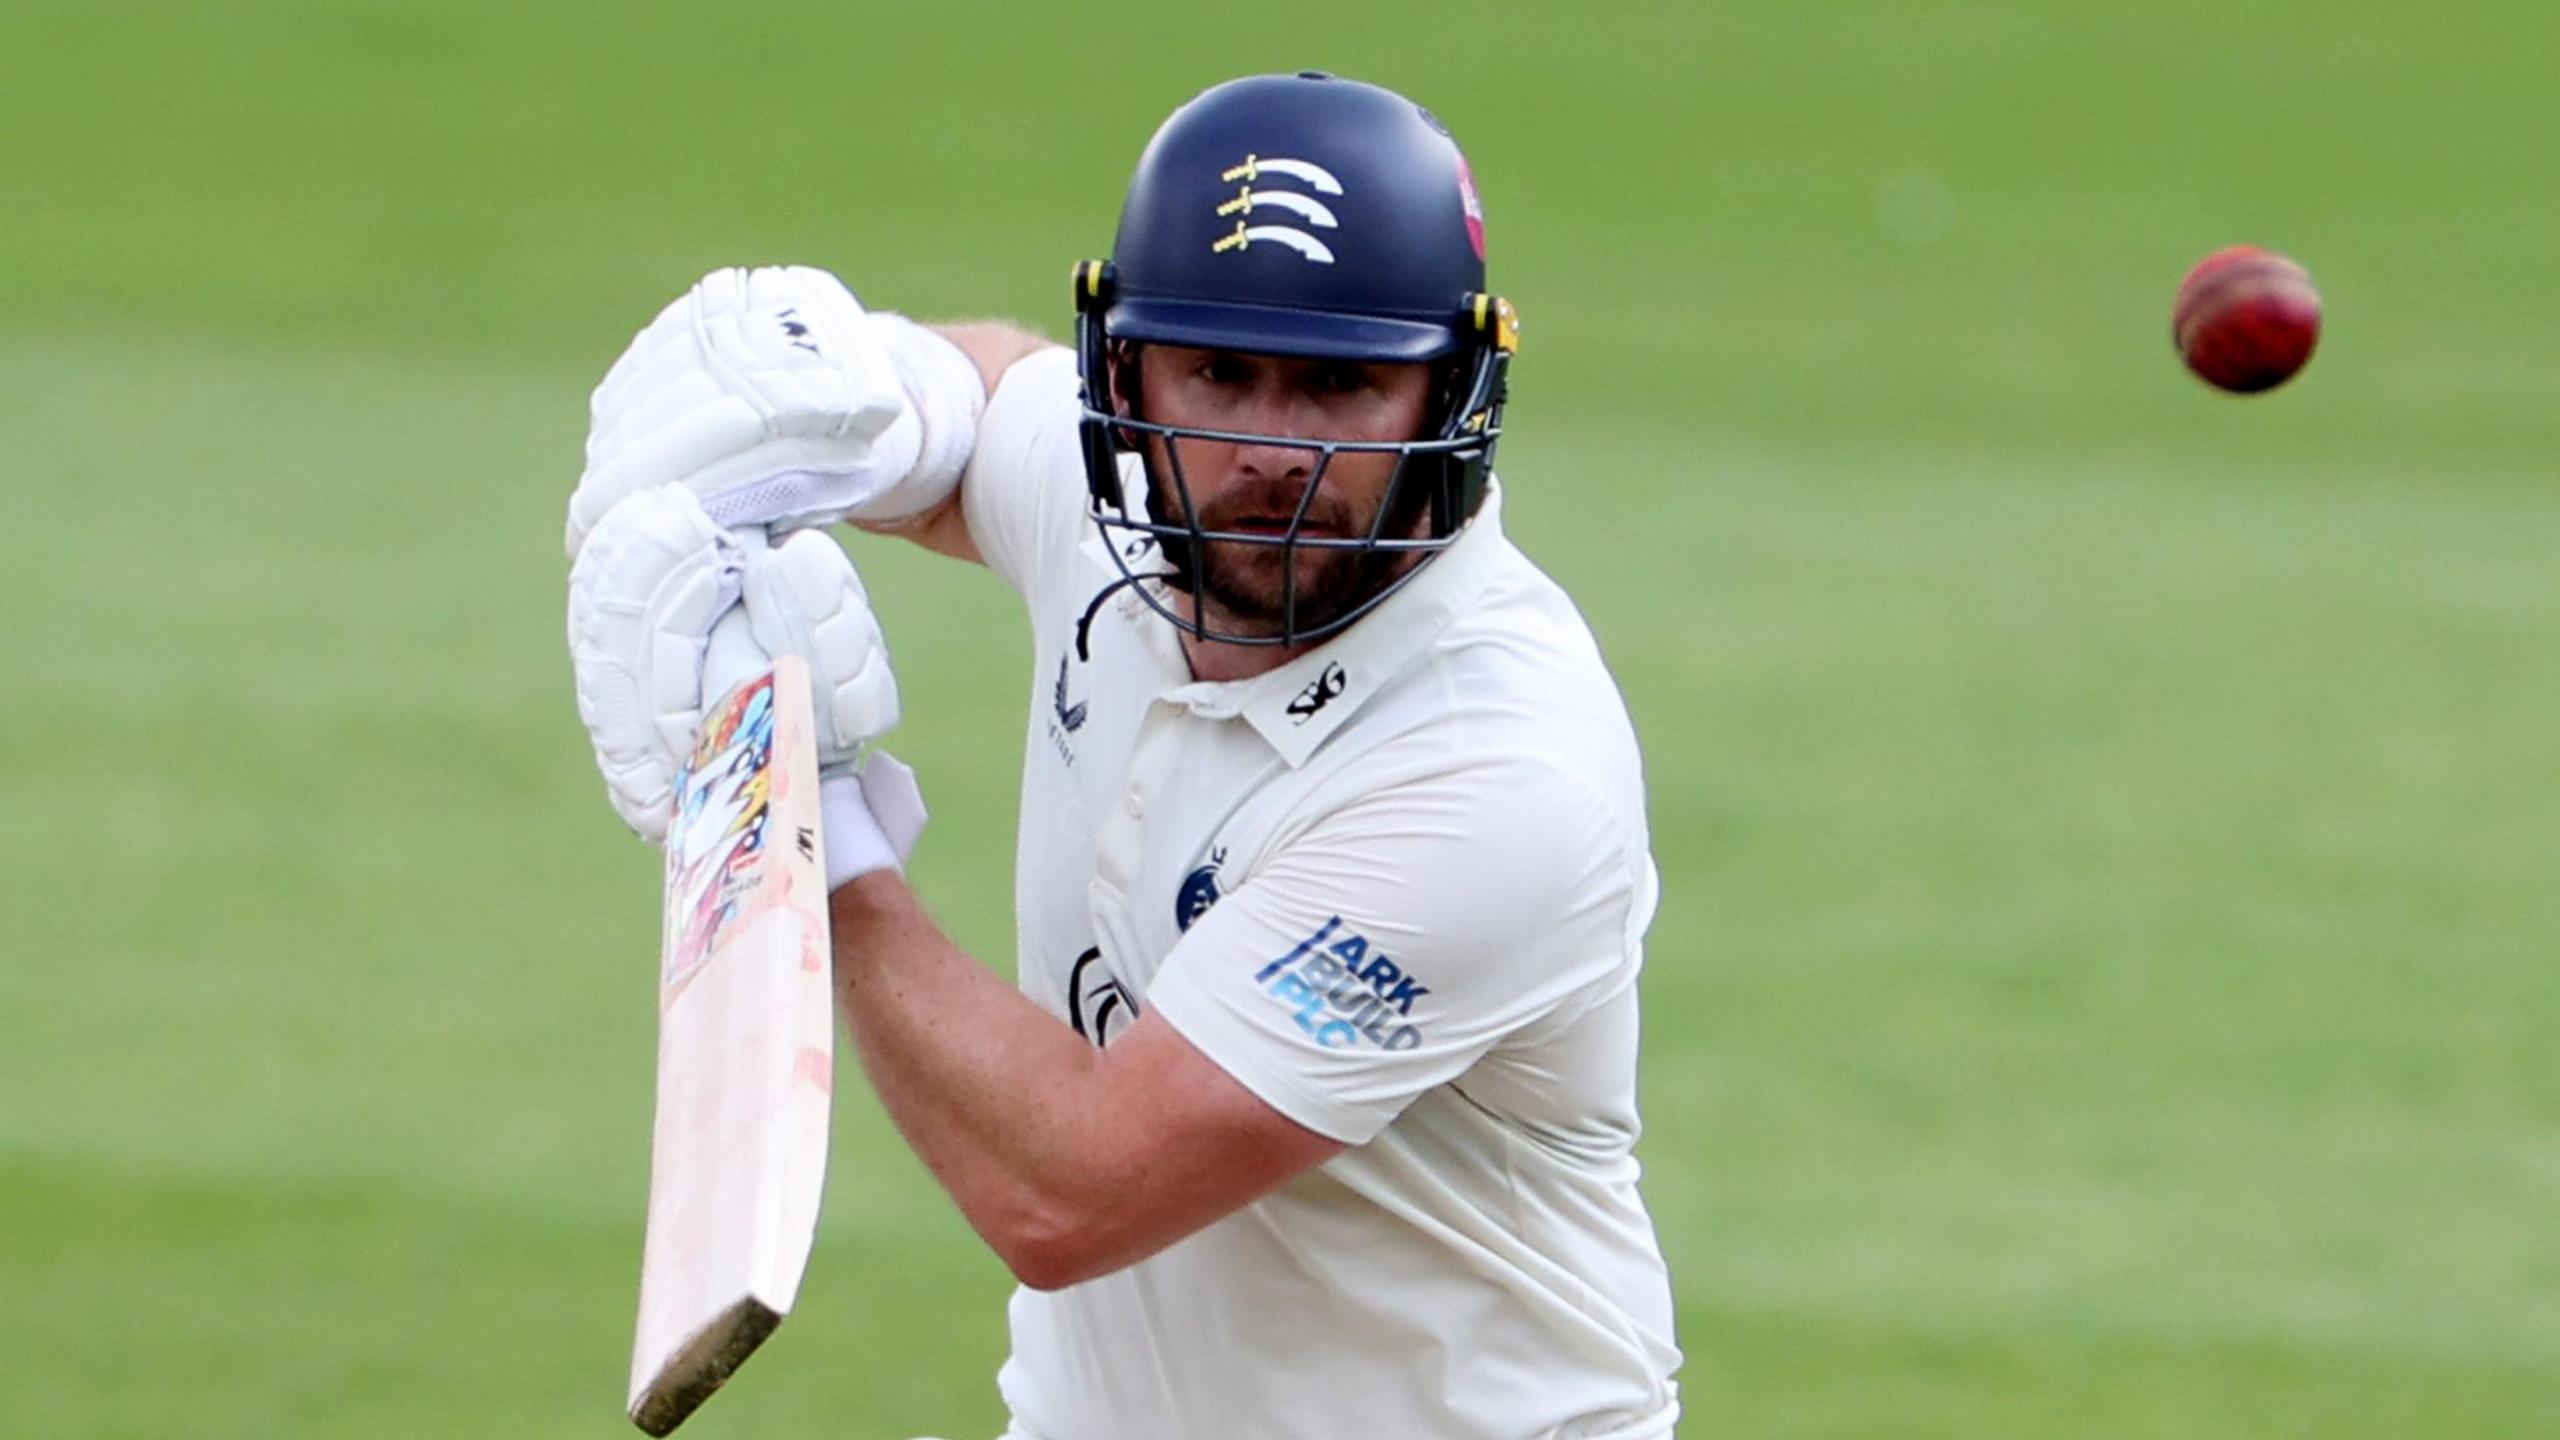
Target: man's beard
{"x": 1245, "y": 582}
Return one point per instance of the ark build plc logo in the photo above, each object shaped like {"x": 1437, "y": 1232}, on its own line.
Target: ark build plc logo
{"x": 1301, "y": 209}
{"x": 1343, "y": 992}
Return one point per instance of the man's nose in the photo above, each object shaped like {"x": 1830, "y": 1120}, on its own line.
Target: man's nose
{"x": 1292, "y": 463}
{"x": 1275, "y": 413}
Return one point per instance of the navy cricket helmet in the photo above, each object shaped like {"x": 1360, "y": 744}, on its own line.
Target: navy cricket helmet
{"x": 1310, "y": 217}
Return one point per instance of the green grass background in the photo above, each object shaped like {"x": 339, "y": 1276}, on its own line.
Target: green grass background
{"x": 2106, "y": 982}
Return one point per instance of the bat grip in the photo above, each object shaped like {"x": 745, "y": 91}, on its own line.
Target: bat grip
{"x": 732, "y": 657}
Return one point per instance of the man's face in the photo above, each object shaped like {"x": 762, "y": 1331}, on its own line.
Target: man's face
{"x": 1256, "y": 489}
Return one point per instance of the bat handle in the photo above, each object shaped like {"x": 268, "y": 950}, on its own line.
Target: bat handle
{"x": 732, "y": 658}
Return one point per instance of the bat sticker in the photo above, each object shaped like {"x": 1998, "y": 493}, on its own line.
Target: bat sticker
{"x": 724, "y": 804}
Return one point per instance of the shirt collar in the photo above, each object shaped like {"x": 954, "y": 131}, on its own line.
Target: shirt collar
{"x": 1297, "y": 706}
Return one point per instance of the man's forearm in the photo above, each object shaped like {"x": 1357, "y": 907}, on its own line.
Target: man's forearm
{"x": 992, "y": 345}
{"x": 982, "y": 1082}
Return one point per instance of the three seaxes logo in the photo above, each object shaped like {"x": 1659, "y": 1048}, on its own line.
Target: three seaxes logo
{"x": 1308, "y": 211}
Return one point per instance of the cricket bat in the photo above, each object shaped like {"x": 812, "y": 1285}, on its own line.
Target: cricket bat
{"x": 746, "y": 1038}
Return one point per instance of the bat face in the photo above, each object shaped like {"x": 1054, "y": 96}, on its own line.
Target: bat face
{"x": 746, "y": 1050}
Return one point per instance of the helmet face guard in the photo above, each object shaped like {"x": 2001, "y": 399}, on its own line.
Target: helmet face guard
{"x": 1436, "y": 485}
{"x": 1373, "y": 254}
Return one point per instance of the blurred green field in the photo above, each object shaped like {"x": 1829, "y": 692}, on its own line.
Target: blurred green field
{"x": 2107, "y": 980}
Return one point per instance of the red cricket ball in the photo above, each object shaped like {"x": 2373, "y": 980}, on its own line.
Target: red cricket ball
{"x": 2246, "y": 319}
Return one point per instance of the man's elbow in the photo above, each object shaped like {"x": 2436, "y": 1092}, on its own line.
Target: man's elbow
{"x": 1044, "y": 1270}
{"x": 1053, "y": 1250}
{"x": 944, "y": 530}
{"x": 1111, "y": 1232}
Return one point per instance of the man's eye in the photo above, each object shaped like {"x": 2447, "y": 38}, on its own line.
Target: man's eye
{"x": 1222, "y": 370}
{"x": 1341, "y": 379}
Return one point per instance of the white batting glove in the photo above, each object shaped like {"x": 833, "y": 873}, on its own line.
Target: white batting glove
{"x": 643, "y": 596}
{"x": 654, "y": 600}
{"x": 768, "y": 392}
{"x": 803, "y": 597}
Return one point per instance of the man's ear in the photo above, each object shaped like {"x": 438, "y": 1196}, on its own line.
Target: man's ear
{"x": 1122, "y": 360}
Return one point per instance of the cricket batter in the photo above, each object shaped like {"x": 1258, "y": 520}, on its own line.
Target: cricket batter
{"x": 1314, "y": 1114}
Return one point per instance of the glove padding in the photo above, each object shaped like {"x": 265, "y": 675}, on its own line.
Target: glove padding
{"x": 767, "y": 392}
{"x": 642, "y": 601}
{"x": 803, "y": 597}
{"x": 645, "y": 595}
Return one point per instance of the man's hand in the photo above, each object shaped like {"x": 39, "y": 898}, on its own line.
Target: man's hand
{"x": 644, "y": 594}
{"x": 769, "y": 393}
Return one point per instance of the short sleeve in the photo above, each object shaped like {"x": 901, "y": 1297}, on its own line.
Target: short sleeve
{"x": 1396, "y": 940}
{"x": 1023, "y": 494}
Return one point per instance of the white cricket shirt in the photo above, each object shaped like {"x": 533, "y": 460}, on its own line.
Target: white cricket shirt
{"x": 1398, "y": 888}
